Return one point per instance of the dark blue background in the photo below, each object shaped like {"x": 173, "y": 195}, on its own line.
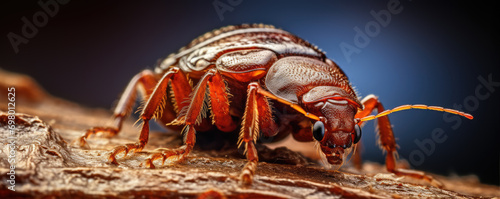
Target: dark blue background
{"x": 429, "y": 53}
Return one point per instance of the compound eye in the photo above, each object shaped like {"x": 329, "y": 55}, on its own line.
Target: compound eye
{"x": 318, "y": 130}
{"x": 357, "y": 134}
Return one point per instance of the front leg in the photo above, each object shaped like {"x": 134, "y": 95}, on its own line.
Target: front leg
{"x": 249, "y": 134}
{"x": 388, "y": 142}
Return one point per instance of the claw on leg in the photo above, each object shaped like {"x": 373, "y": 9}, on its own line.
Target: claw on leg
{"x": 108, "y": 131}
{"x": 246, "y": 176}
{"x": 248, "y": 171}
{"x": 418, "y": 175}
{"x": 176, "y": 155}
{"x": 137, "y": 147}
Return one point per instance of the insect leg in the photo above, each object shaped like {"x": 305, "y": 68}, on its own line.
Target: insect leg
{"x": 220, "y": 104}
{"x": 388, "y": 142}
{"x": 266, "y": 123}
{"x": 181, "y": 89}
{"x": 144, "y": 82}
{"x": 152, "y": 109}
{"x": 190, "y": 115}
{"x": 249, "y": 134}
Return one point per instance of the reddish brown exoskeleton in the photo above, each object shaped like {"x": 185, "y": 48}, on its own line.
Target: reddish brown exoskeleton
{"x": 237, "y": 71}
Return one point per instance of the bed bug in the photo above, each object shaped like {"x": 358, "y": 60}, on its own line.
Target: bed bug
{"x": 264, "y": 81}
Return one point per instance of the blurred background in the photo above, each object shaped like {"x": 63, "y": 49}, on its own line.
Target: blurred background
{"x": 443, "y": 54}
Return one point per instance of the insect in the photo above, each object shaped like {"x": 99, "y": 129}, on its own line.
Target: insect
{"x": 262, "y": 80}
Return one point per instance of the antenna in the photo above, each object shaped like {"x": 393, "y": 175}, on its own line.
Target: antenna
{"x": 416, "y": 106}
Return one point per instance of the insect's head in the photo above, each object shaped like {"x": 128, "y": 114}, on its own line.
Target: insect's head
{"x": 337, "y": 130}
{"x": 321, "y": 91}
{"x": 335, "y": 127}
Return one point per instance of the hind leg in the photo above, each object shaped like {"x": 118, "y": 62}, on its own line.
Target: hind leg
{"x": 143, "y": 83}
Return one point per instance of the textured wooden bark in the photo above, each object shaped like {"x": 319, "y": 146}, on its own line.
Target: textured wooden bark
{"x": 47, "y": 164}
